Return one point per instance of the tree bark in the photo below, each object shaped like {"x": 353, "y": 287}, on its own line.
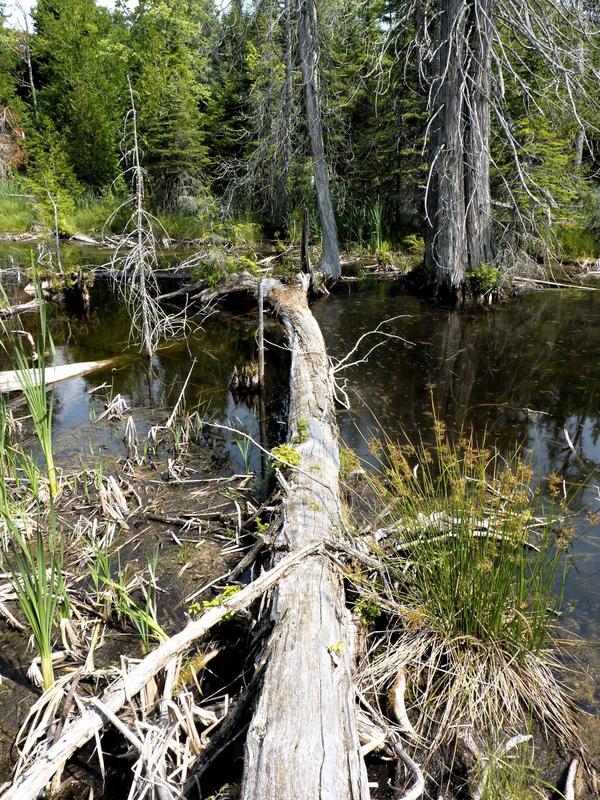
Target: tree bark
{"x": 307, "y": 21}
{"x": 458, "y": 203}
{"x": 284, "y": 144}
{"x": 302, "y": 743}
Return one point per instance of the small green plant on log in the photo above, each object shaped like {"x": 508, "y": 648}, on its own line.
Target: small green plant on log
{"x": 284, "y": 455}
{"x": 472, "y": 595}
{"x": 203, "y": 605}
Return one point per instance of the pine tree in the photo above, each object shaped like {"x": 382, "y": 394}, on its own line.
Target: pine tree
{"x": 80, "y": 60}
{"x": 171, "y": 41}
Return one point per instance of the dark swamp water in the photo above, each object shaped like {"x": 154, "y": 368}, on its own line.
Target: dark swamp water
{"x": 524, "y": 373}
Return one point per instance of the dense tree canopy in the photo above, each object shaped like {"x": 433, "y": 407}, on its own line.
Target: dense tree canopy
{"x": 471, "y": 124}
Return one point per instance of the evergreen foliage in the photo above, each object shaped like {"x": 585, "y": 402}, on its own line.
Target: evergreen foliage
{"x": 223, "y": 130}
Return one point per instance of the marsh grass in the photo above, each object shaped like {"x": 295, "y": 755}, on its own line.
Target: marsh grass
{"x": 33, "y": 384}
{"x": 17, "y": 212}
{"x": 37, "y": 578}
{"x": 143, "y": 617}
{"x": 510, "y": 775}
{"x": 472, "y": 596}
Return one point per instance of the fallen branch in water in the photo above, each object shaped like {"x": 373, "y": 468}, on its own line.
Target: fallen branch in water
{"x": 570, "y": 780}
{"x": 555, "y": 284}
{"x": 12, "y": 380}
{"x": 18, "y": 308}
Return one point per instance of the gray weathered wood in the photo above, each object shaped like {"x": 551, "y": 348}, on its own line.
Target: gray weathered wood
{"x": 302, "y": 743}
{"x": 12, "y": 380}
{"x": 306, "y": 13}
{"x": 30, "y": 783}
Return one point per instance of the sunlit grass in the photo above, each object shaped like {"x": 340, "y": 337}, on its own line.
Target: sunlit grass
{"x": 17, "y": 212}
{"x": 472, "y": 594}
{"x": 36, "y": 576}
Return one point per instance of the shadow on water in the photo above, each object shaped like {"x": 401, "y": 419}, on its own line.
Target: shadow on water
{"x": 520, "y": 374}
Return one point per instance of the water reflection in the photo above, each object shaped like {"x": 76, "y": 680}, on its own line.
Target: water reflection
{"x": 520, "y": 374}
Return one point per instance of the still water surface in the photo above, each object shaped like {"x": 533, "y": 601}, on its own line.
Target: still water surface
{"x": 524, "y": 373}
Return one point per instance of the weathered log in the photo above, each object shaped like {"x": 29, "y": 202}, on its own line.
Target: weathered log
{"x": 302, "y": 743}
{"x": 11, "y": 380}
{"x": 19, "y": 308}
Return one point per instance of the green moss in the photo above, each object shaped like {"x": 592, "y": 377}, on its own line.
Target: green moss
{"x": 284, "y": 455}
{"x": 302, "y": 432}
{"x": 229, "y": 591}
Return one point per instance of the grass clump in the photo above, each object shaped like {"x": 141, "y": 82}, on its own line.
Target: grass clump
{"x": 37, "y": 579}
{"x": 472, "y": 594}
{"x": 483, "y": 279}
{"x": 33, "y": 385}
{"x": 17, "y": 213}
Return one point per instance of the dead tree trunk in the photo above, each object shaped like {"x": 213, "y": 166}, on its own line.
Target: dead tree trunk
{"x": 307, "y": 28}
{"x": 458, "y": 201}
{"x": 302, "y": 743}
{"x": 284, "y": 144}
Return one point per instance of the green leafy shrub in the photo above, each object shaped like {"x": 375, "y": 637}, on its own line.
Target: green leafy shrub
{"x": 483, "y": 279}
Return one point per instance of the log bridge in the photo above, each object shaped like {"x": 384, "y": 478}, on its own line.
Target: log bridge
{"x": 302, "y": 743}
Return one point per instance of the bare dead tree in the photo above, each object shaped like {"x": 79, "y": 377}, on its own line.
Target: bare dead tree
{"x": 309, "y": 56}
{"x": 279, "y": 102}
{"x": 134, "y": 261}
{"x": 468, "y": 51}
{"x": 23, "y": 51}
{"x": 270, "y": 126}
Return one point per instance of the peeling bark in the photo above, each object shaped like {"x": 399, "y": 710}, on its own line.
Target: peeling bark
{"x": 458, "y": 201}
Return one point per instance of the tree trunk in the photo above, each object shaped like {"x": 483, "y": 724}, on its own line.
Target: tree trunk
{"x": 580, "y": 71}
{"x": 284, "y": 141}
{"x": 307, "y": 20}
{"x": 458, "y": 203}
{"x": 302, "y": 743}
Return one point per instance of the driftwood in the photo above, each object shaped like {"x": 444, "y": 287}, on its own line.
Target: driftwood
{"x": 10, "y": 380}
{"x": 30, "y": 783}
{"x": 555, "y": 284}
{"x": 19, "y": 308}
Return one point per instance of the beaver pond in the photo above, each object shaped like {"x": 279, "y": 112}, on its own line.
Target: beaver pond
{"x": 523, "y": 374}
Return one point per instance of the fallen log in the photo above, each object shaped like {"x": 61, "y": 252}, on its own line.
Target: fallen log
{"x": 18, "y": 308}
{"x": 302, "y": 743}
{"x": 31, "y": 782}
{"x": 12, "y": 380}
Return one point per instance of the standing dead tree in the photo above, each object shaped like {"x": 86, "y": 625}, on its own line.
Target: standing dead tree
{"x": 306, "y": 11}
{"x": 133, "y": 265}
{"x": 469, "y": 51}
{"x": 290, "y": 46}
